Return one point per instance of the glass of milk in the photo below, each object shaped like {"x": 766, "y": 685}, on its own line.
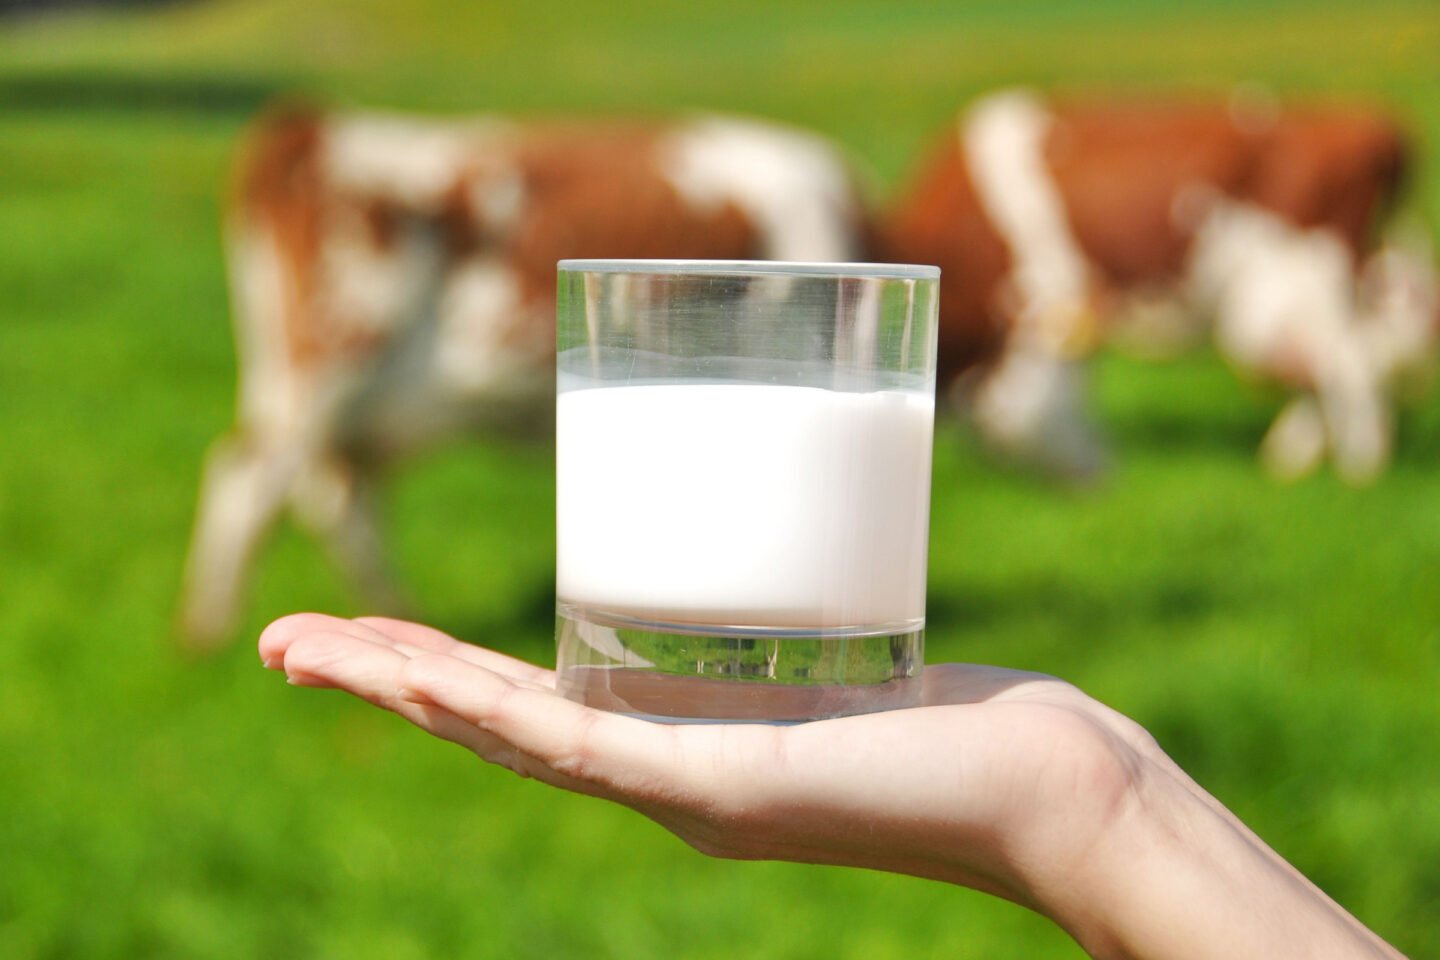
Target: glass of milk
{"x": 743, "y": 486}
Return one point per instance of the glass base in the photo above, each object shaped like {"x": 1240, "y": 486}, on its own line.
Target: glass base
{"x": 693, "y": 673}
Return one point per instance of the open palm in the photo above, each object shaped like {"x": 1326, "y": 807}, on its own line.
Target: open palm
{"x": 1001, "y": 766}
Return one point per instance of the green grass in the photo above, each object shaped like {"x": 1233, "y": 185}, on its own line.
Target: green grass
{"x": 1283, "y": 643}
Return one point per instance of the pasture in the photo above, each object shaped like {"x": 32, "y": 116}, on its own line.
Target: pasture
{"x": 1283, "y": 643}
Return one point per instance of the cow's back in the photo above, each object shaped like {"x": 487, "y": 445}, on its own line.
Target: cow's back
{"x": 1338, "y": 169}
{"x": 598, "y": 191}
{"x": 1121, "y": 170}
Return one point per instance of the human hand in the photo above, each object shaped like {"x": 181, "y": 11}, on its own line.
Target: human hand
{"x": 1014, "y": 783}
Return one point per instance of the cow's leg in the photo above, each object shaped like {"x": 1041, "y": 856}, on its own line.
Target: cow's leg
{"x": 1357, "y": 418}
{"x": 1295, "y": 444}
{"x": 336, "y": 500}
{"x": 1031, "y": 405}
{"x": 244, "y": 488}
{"x": 1031, "y": 408}
{"x": 1399, "y": 306}
{"x": 248, "y": 475}
{"x": 1285, "y": 303}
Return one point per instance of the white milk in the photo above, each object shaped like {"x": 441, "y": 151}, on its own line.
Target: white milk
{"x": 744, "y": 504}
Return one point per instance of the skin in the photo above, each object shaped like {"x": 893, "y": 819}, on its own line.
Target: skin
{"x": 1013, "y": 783}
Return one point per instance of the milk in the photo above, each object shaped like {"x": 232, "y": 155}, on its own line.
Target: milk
{"x": 744, "y": 504}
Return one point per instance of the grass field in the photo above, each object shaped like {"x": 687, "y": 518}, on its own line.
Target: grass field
{"x": 1283, "y": 643}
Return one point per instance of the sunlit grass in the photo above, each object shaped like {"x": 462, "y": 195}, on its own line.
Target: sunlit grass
{"x": 1282, "y": 642}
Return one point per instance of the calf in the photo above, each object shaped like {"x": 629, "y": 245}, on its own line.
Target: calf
{"x": 1046, "y": 217}
{"x": 394, "y": 280}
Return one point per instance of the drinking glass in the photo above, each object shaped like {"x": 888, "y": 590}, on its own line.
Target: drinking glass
{"x": 743, "y": 486}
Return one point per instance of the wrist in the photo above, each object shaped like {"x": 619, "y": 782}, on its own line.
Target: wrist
{"x": 1174, "y": 874}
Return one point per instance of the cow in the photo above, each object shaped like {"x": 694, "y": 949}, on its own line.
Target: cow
{"x": 1050, "y": 219}
{"x": 393, "y": 284}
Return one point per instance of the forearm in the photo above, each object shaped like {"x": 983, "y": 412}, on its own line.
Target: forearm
{"x": 1178, "y": 876}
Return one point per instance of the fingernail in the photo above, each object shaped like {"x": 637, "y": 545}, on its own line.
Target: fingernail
{"x": 270, "y": 663}
{"x": 411, "y": 696}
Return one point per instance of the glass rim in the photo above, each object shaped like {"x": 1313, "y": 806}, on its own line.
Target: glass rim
{"x": 801, "y": 268}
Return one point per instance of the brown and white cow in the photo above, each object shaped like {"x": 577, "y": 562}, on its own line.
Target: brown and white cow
{"x": 1050, "y": 219}
{"x": 394, "y": 281}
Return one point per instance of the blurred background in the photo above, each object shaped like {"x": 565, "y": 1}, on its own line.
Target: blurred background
{"x": 1282, "y": 642}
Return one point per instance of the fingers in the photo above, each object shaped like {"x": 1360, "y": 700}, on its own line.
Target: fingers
{"x": 412, "y": 638}
{"x": 318, "y": 657}
{"x": 577, "y": 746}
{"x": 337, "y": 658}
{"x": 434, "y": 641}
{"x": 503, "y": 709}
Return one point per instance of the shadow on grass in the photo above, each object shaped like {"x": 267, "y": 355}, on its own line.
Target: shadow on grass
{"x": 996, "y": 607}
{"x": 1154, "y": 434}
{"x": 1417, "y": 441}
{"x": 1236, "y": 437}
{"x": 112, "y": 92}
{"x": 1238, "y": 433}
